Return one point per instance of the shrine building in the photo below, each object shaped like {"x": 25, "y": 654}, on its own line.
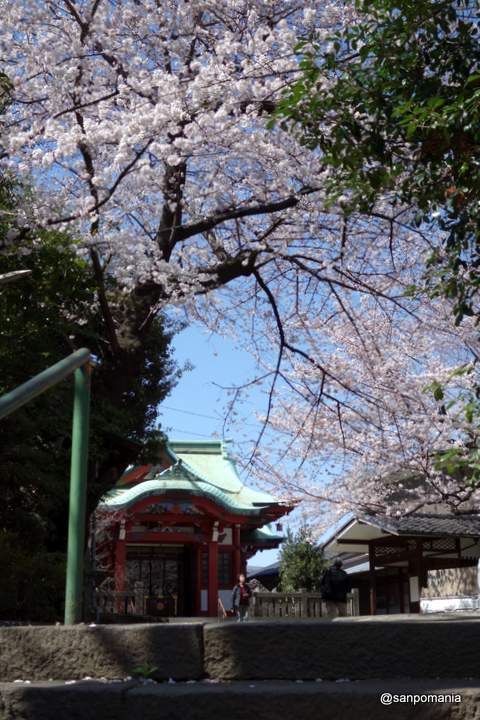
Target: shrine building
{"x": 183, "y": 529}
{"x": 423, "y": 562}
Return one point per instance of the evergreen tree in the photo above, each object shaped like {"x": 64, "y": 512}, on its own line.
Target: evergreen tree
{"x": 43, "y": 318}
{"x": 301, "y": 562}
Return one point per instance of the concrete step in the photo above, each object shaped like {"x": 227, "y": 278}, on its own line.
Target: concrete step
{"x": 88, "y": 700}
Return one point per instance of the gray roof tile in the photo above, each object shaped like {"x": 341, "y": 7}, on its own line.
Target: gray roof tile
{"x": 425, "y": 524}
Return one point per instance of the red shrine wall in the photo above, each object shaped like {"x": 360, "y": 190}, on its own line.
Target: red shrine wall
{"x": 179, "y": 569}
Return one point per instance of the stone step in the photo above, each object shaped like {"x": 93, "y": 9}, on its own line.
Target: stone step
{"x": 347, "y": 649}
{"x": 111, "y": 651}
{"x": 88, "y": 700}
{"x": 233, "y": 651}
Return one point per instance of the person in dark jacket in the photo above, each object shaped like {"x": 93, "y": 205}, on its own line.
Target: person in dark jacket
{"x": 334, "y": 586}
{"x": 242, "y": 592}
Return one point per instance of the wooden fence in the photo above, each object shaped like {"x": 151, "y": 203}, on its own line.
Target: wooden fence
{"x": 273, "y": 605}
{"x": 296, "y": 605}
{"x": 122, "y": 603}
{"x": 133, "y": 602}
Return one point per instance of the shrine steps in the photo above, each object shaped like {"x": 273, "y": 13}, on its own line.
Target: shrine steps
{"x": 237, "y": 701}
{"x": 270, "y": 671}
{"x": 303, "y": 650}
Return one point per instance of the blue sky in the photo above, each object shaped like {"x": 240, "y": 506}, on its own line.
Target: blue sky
{"x": 196, "y": 408}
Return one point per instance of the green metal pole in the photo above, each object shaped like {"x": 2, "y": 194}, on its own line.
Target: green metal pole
{"x": 78, "y": 493}
{"x": 43, "y": 381}
{"x": 14, "y": 276}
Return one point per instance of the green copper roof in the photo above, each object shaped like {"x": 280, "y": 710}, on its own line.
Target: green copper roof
{"x": 209, "y": 461}
{"x": 201, "y": 469}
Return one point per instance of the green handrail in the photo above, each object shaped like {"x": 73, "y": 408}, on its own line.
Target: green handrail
{"x": 79, "y": 364}
{"x": 13, "y": 400}
{"x": 14, "y": 276}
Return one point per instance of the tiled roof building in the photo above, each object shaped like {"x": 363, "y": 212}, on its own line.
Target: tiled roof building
{"x": 410, "y": 563}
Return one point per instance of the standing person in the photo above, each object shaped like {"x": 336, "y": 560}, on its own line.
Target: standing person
{"x": 334, "y": 586}
{"x": 242, "y": 592}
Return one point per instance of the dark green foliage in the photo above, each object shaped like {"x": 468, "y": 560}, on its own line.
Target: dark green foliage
{"x": 301, "y": 563}
{"x": 394, "y": 108}
{"x": 33, "y": 581}
{"x": 65, "y": 303}
{"x": 43, "y": 318}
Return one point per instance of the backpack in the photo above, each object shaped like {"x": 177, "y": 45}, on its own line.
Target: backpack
{"x": 326, "y": 586}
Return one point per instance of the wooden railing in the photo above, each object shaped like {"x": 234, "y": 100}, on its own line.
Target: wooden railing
{"x": 110, "y": 603}
{"x": 128, "y": 602}
{"x": 296, "y": 605}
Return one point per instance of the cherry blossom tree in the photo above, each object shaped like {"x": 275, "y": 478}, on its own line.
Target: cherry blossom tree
{"x": 391, "y": 428}
{"x": 142, "y": 126}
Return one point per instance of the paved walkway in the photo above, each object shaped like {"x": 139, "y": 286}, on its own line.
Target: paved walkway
{"x": 414, "y": 617}
{"x": 404, "y": 617}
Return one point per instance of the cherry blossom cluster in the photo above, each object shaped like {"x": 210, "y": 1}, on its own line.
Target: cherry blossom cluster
{"x": 374, "y": 419}
{"x": 142, "y": 125}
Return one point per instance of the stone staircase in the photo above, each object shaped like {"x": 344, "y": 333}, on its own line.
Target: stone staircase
{"x": 267, "y": 671}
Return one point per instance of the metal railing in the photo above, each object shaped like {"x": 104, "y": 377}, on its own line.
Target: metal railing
{"x": 77, "y": 363}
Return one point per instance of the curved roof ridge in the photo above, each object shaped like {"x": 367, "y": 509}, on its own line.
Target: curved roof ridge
{"x": 121, "y": 497}
{"x": 212, "y": 473}
{"x": 199, "y": 478}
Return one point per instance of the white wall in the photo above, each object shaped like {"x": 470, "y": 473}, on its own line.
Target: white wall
{"x": 452, "y": 604}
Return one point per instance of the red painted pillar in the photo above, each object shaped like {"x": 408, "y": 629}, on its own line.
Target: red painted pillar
{"x": 237, "y": 553}
{"x": 120, "y": 564}
{"x": 198, "y": 579}
{"x": 212, "y": 578}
